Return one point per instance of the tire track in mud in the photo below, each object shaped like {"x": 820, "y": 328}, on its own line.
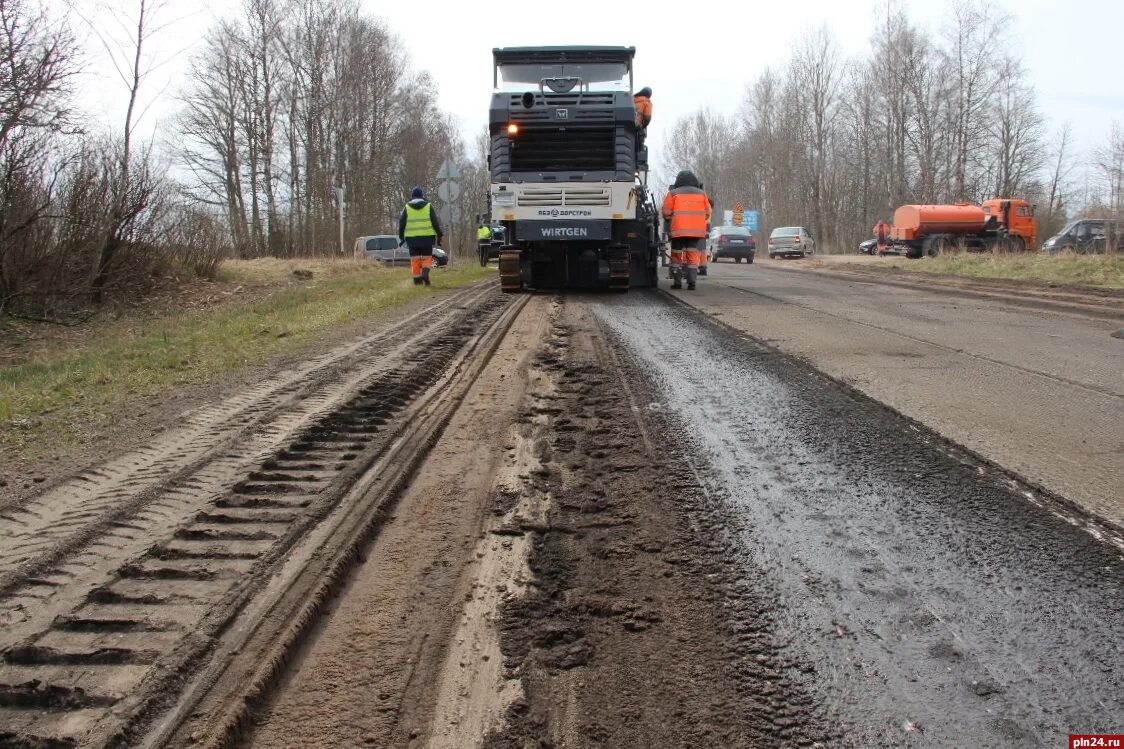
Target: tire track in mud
{"x": 212, "y": 441}
{"x": 409, "y": 654}
{"x": 44, "y": 566}
{"x": 637, "y": 629}
{"x": 111, "y": 631}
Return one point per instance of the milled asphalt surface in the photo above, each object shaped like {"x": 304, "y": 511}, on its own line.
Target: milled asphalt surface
{"x": 1039, "y": 392}
{"x": 925, "y": 598}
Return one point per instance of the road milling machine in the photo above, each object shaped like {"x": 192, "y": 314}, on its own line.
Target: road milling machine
{"x": 569, "y": 171}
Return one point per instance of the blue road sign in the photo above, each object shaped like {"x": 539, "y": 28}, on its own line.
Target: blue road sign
{"x": 749, "y": 220}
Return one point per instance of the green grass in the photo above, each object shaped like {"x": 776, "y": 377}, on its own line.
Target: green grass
{"x": 1102, "y": 271}
{"x": 56, "y": 395}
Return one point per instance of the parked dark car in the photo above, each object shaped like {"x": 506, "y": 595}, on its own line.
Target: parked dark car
{"x": 1087, "y": 235}
{"x": 735, "y": 242}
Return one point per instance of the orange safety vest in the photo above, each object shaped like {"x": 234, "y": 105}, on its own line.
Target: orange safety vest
{"x": 688, "y": 210}
{"x": 643, "y": 110}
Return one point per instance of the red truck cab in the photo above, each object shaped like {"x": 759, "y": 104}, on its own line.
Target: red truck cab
{"x": 1017, "y": 215}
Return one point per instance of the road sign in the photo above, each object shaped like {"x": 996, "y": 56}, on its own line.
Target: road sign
{"x": 749, "y": 220}
{"x": 727, "y": 218}
{"x": 448, "y": 170}
{"x": 737, "y": 217}
{"x": 449, "y": 215}
{"x": 449, "y": 191}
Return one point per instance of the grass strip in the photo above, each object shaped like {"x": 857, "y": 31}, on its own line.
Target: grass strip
{"x": 52, "y": 399}
{"x": 1102, "y": 271}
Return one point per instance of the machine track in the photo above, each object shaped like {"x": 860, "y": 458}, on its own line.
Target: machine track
{"x": 620, "y": 266}
{"x": 123, "y": 585}
{"x": 511, "y": 280}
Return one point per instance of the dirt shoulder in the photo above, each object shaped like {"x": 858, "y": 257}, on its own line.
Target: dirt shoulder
{"x": 1044, "y": 286}
{"x": 70, "y": 396}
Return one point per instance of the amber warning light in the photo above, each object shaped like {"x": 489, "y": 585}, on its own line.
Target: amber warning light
{"x": 512, "y": 129}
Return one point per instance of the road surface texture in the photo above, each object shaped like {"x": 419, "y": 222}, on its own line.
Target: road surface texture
{"x": 1037, "y": 390}
{"x": 557, "y": 521}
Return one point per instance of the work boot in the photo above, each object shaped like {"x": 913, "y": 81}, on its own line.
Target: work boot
{"x": 690, "y": 287}
{"x": 677, "y": 284}
{"x": 417, "y": 281}
{"x": 425, "y": 277}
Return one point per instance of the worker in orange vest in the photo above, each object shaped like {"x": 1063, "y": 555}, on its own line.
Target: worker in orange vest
{"x": 881, "y": 232}
{"x": 642, "y": 100}
{"x": 420, "y": 230}
{"x": 686, "y": 211}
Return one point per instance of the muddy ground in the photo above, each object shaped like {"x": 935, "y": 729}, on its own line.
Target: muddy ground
{"x": 558, "y": 579}
{"x": 645, "y": 529}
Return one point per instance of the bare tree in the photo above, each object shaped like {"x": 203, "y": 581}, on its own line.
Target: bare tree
{"x": 36, "y": 69}
{"x": 134, "y": 186}
{"x": 816, "y": 74}
{"x": 973, "y": 33}
{"x": 1017, "y": 131}
{"x": 1108, "y": 162}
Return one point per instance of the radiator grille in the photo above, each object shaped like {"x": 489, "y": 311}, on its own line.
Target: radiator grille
{"x": 565, "y": 196}
{"x": 555, "y": 150}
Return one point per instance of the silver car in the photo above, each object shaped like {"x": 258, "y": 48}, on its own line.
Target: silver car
{"x": 387, "y": 249}
{"x": 791, "y": 241}
{"x": 384, "y": 247}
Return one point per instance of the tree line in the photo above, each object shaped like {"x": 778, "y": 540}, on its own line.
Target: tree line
{"x": 284, "y": 101}
{"x": 294, "y": 99}
{"x": 836, "y": 144}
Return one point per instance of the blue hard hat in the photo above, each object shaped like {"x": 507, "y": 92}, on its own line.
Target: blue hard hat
{"x": 417, "y": 192}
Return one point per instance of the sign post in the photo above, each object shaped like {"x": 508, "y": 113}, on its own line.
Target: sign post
{"x": 448, "y": 190}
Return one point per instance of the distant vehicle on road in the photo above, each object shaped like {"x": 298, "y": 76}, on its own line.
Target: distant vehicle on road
{"x": 791, "y": 241}
{"x": 735, "y": 242}
{"x": 868, "y": 247}
{"x": 1088, "y": 235}
{"x": 386, "y": 248}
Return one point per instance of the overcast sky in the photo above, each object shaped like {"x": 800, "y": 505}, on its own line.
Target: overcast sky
{"x": 1071, "y": 48}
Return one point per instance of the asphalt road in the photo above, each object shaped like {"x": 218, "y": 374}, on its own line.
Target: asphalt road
{"x": 1038, "y": 391}
{"x": 928, "y": 600}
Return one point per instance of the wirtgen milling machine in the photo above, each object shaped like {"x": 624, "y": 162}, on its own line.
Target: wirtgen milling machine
{"x": 568, "y": 171}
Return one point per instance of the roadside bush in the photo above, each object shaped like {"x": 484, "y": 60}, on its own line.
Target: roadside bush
{"x": 196, "y": 240}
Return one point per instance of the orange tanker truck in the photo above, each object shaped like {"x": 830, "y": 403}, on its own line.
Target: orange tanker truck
{"x": 1000, "y": 223}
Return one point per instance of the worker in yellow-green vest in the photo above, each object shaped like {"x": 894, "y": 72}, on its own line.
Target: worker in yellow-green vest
{"x": 419, "y": 228}
{"x": 484, "y": 242}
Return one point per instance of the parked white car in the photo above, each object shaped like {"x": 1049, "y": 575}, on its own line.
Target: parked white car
{"x": 791, "y": 241}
